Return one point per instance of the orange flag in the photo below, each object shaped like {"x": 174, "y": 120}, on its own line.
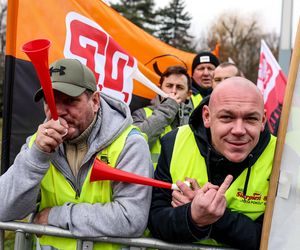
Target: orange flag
{"x": 216, "y": 50}
{"x": 125, "y": 60}
{"x": 99, "y": 37}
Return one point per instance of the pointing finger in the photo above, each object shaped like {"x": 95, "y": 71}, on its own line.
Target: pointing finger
{"x": 220, "y": 195}
{"x": 225, "y": 185}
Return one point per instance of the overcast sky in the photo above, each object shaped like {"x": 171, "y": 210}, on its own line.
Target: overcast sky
{"x": 268, "y": 12}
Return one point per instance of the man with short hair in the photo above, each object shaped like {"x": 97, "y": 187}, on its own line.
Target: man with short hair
{"x": 228, "y": 152}
{"x": 224, "y": 71}
{"x": 203, "y": 68}
{"x": 57, "y": 162}
{"x": 165, "y": 114}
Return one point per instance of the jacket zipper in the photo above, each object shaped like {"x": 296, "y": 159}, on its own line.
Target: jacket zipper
{"x": 77, "y": 184}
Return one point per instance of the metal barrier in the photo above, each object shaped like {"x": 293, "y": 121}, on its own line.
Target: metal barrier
{"x": 25, "y": 230}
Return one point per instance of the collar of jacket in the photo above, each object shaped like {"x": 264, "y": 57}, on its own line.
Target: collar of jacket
{"x": 196, "y": 89}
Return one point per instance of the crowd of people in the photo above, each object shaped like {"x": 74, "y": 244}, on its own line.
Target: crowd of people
{"x": 210, "y": 130}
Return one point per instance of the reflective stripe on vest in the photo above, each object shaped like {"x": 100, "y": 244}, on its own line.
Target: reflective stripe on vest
{"x": 193, "y": 165}
{"x": 156, "y": 147}
{"x": 56, "y": 191}
{"x": 196, "y": 99}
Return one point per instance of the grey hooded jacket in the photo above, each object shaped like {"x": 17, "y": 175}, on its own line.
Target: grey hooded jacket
{"x": 165, "y": 113}
{"x": 125, "y": 216}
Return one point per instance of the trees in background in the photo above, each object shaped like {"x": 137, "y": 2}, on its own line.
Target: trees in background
{"x": 170, "y": 24}
{"x": 173, "y": 25}
{"x": 139, "y": 12}
{"x": 240, "y": 39}
{"x": 238, "y": 36}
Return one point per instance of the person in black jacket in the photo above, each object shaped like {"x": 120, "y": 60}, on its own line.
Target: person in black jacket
{"x": 225, "y": 141}
{"x": 203, "y": 67}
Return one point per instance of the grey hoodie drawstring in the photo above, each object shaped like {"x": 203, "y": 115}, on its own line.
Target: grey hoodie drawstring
{"x": 181, "y": 111}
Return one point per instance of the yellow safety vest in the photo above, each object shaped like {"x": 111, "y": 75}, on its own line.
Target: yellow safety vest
{"x": 196, "y": 99}
{"x": 56, "y": 191}
{"x": 156, "y": 147}
{"x": 193, "y": 165}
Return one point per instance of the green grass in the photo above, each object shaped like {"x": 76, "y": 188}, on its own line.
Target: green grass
{"x": 9, "y": 240}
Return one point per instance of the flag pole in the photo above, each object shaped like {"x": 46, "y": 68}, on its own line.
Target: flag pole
{"x": 281, "y": 141}
{"x": 286, "y": 35}
{"x": 8, "y": 84}
{"x": 137, "y": 75}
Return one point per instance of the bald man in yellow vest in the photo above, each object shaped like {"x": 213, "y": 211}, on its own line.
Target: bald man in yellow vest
{"x": 228, "y": 153}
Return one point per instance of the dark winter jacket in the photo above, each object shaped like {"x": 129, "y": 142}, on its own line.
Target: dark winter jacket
{"x": 196, "y": 89}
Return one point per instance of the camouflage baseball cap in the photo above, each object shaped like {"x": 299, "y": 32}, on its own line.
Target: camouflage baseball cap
{"x": 70, "y": 77}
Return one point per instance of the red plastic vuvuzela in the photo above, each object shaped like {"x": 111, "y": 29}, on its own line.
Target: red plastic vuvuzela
{"x": 37, "y": 51}
{"x": 102, "y": 171}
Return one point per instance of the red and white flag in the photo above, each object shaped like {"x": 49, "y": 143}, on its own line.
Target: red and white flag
{"x": 272, "y": 82}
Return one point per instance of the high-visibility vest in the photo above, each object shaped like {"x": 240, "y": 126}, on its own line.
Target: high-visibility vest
{"x": 188, "y": 162}
{"x": 196, "y": 99}
{"x": 56, "y": 191}
{"x": 156, "y": 147}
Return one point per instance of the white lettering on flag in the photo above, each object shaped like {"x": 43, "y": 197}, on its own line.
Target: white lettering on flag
{"x": 113, "y": 67}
